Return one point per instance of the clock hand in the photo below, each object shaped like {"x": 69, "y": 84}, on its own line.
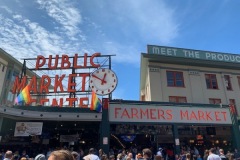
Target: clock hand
{"x": 103, "y": 80}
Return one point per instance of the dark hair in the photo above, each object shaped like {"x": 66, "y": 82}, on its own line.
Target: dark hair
{"x": 91, "y": 150}
{"x": 212, "y": 150}
{"x": 147, "y": 152}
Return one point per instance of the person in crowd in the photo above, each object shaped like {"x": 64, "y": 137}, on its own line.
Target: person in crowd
{"x": 177, "y": 157}
{"x": 221, "y": 155}
{"x": 183, "y": 155}
{"x": 8, "y": 155}
{"x": 199, "y": 157}
{"x": 212, "y": 155}
{"x": 16, "y": 155}
{"x": 188, "y": 156}
{"x": 139, "y": 156}
{"x": 91, "y": 155}
{"x": 159, "y": 152}
{"x": 236, "y": 155}
{"x": 24, "y": 154}
{"x": 104, "y": 157}
{"x": 228, "y": 154}
{"x": 3, "y": 154}
{"x": 195, "y": 152}
{"x": 81, "y": 153}
{"x": 100, "y": 153}
{"x": 147, "y": 154}
{"x": 158, "y": 157}
{"x": 231, "y": 156}
{"x": 130, "y": 156}
{"x": 61, "y": 155}
{"x": 119, "y": 156}
{"x": 48, "y": 152}
{"x": 75, "y": 155}
{"x": 217, "y": 151}
{"x": 112, "y": 157}
{"x": 206, "y": 153}
{"x": 124, "y": 154}
{"x": 40, "y": 157}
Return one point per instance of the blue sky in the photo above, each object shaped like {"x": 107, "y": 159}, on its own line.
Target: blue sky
{"x": 122, "y": 27}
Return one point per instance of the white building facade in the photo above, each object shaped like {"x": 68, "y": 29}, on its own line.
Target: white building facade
{"x": 168, "y": 77}
{"x": 193, "y": 78}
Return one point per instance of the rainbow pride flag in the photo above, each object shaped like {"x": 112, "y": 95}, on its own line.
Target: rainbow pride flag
{"x": 95, "y": 103}
{"x": 24, "y": 96}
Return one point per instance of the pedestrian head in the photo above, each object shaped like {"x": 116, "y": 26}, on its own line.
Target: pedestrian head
{"x": 61, "y": 155}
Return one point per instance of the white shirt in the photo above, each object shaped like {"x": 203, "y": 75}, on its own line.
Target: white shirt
{"x": 91, "y": 157}
{"x": 213, "y": 157}
{"x": 159, "y": 153}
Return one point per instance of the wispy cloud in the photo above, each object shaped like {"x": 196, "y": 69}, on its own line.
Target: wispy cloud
{"x": 6, "y": 9}
{"x": 66, "y": 15}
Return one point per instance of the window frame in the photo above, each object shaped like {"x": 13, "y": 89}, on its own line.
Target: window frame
{"x": 238, "y": 77}
{"x": 175, "y": 79}
{"x": 228, "y": 84}
{"x": 177, "y": 98}
{"x": 214, "y": 100}
{"x": 211, "y": 78}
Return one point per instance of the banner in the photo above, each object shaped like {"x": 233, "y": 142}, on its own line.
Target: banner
{"x": 69, "y": 138}
{"x": 168, "y": 114}
{"x": 23, "y": 129}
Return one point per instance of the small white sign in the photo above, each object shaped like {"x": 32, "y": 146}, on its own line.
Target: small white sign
{"x": 177, "y": 142}
{"x": 105, "y": 140}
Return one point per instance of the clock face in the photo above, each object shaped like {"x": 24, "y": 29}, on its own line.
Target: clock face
{"x": 103, "y": 81}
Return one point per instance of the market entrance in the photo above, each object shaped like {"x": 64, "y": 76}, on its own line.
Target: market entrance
{"x": 54, "y": 134}
{"x": 155, "y": 136}
{"x": 141, "y": 136}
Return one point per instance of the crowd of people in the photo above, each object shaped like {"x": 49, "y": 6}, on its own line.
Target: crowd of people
{"x": 164, "y": 153}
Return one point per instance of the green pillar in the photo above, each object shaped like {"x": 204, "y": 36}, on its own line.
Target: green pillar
{"x": 176, "y": 139}
{"x": 235, "y": 127}
{"x": 105, "y": 128}
{"x": 235, "y": 133}
{"x": 1, "y": 123}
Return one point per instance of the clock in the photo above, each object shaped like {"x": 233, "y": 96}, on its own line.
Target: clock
{"x": 103, "y": 81}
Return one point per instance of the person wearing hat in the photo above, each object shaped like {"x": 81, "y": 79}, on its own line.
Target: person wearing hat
{"x": 40, "y": 157}
{"x": 159, "y": 152}
{"x": 91, "y": 155}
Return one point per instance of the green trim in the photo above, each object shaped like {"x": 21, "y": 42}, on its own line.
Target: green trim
{"x": 193, "y": 54}
{"x": 54, "y": 109}
{"x": 189, "y": 62}
{"x": 155, "y": 103}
